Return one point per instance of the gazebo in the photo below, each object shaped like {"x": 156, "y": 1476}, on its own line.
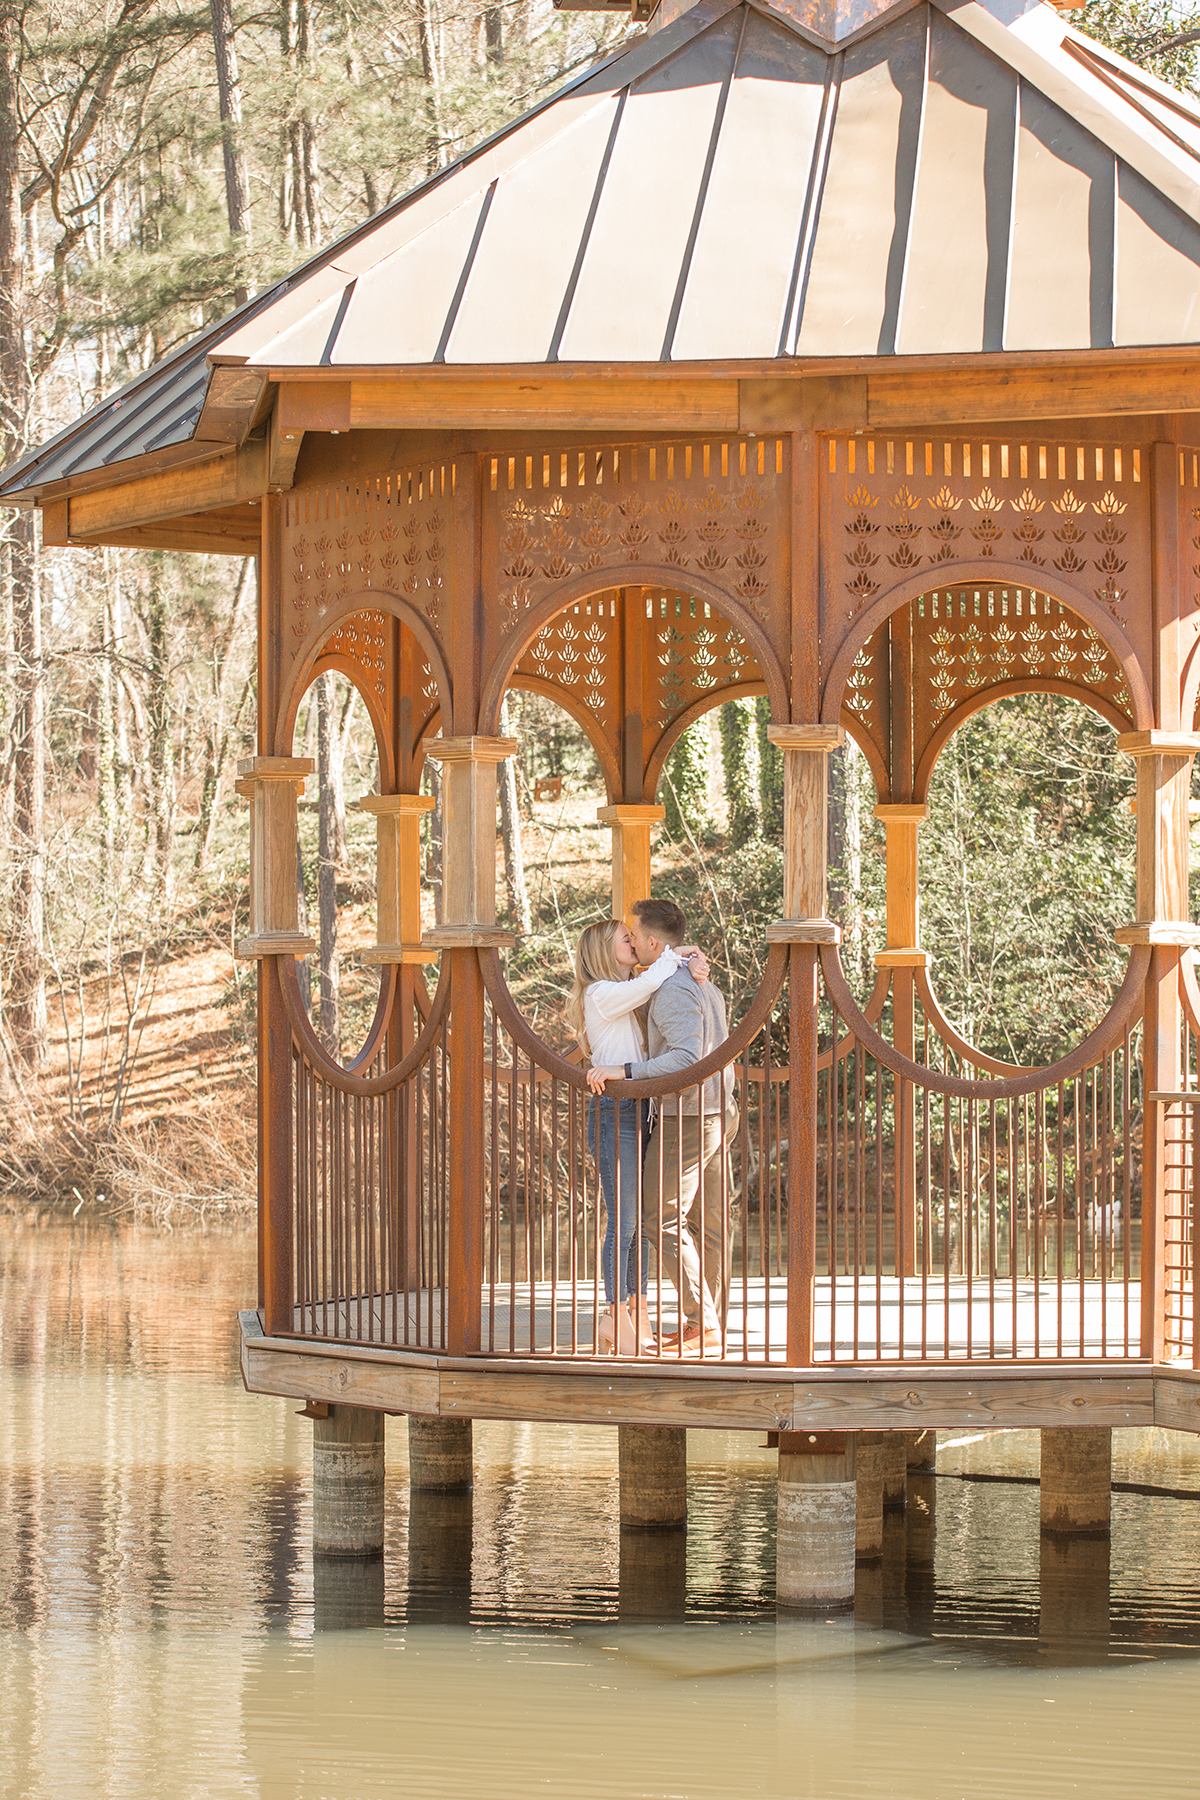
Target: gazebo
{"x": 838, "y": 353}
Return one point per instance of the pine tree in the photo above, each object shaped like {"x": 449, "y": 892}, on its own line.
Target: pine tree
{"x": 739, "y": 759}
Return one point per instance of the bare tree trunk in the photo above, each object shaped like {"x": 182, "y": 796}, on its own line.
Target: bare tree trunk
{"x": 22, "y": 598}
{"x": 493, "y": 36}
{"x": 219, "y": 730}
{"x": 329, "y": 1027}
{"x": 510, "y": 834}
{"x": 159, "y": 721}
{"x": 229, "y": 95}
{"x": 433, "y": 86}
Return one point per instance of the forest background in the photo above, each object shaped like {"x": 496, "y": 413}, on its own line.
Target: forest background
{"x": 158, "y": 164}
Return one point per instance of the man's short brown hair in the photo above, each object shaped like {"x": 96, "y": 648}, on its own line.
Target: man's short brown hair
{"x": 662, "y": 919}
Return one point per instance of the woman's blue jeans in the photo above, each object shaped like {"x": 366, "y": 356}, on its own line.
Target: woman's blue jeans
{"x": 617, "y": 1134}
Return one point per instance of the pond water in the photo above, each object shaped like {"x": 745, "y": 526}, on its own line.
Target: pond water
{"x": 160, "y": 1635}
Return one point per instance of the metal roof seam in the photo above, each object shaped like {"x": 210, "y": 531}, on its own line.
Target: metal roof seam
{"x": 343, "y": 308}
{"x": 564, "y": 311}
{"x": 702, "y": 194}
{"x": 439, "y": 355}
{"x": 808, "y": 238}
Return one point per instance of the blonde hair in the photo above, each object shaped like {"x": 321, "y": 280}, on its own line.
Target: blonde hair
{"x": 595, "y": 960}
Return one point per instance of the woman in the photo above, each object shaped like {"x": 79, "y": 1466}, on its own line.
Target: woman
{"x": 602, "y": 1011}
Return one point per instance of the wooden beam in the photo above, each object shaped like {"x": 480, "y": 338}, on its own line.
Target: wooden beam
{"x": 226, "y": 533}
{"x": 530, "y": 400}
{"x": 283, "y": 448}
{"x": 897, "y": 402}
{"x": 220, "y": 481}
{"x": 230, "y": 404}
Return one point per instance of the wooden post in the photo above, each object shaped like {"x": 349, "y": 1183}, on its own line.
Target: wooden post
{"x": 273, "y": 784}
{"x": 348, "y": 1479}
{"x": 397, "y": 878}
{"x": 817, "y": 1512}
{"x": 902, "y": 955}
{"x": 805, "y": 826}
{"x": 1076, "y": 1482}
{"x": 1164, "y": 766}
{"x": 469, "y": 841}
{"x": 631, "y": 829}
{"x": 652, "y": 1461}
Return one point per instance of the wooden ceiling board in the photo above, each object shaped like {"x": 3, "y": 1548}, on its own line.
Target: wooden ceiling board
{"x": 635, "y": 250}
{"x": 1061, "y": 262}
{"x": 522, "y": 269}
{"x": 954, "y": 277}
{"x": 863, "y": 194}
{"x": 1158, "y": 268}
{"x": 741, "y": 268}
{"x": 398, "y": 312}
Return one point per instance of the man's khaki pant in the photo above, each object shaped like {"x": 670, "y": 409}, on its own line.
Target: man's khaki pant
{"x": 681, "y": 1167}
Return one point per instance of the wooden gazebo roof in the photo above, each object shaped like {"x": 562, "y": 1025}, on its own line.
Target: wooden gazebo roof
{"x": 749, "y": 184}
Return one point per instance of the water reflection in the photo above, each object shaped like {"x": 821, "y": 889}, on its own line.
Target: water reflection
{"x": 164, "y": 1630}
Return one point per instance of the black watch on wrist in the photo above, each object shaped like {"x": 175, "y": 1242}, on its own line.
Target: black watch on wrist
{"x": 629, "y": 1071}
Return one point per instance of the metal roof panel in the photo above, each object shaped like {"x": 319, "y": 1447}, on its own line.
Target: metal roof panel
{"x": 1060, "y": 273}
{"x": 632, "y": 263}
{"x": 741, "y": 268}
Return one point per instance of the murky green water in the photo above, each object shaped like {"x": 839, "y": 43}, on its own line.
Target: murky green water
{"x": 160, "y": 1634}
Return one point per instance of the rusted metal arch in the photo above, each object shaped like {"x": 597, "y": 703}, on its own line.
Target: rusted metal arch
{"x": 575, "y": 1074}
{"x": 313, "y": 1052}
{"x": 1111, "y": 1028}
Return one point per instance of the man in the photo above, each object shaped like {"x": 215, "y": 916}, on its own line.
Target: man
{"x": 686, "y": 1160}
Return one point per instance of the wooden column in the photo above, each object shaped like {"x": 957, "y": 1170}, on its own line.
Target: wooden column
{"x": 1164, "y": 773}
{"x": 398, "y": 878}
{"x": 631, "y": 829}
{"x": 903, "y": 954}
{"x": 806, "y": 925}
{"x": 468, "y": 924}
{"x": 273, "y": 784}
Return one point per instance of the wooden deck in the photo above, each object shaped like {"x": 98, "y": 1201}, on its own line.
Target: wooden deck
{"x": 862, "y": 1395}
{"x": 876, "y": 1319}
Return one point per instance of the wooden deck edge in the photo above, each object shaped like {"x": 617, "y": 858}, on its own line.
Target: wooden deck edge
{"x": 879, "y": 1397}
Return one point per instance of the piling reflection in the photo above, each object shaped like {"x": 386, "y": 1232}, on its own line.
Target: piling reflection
{"x": 348, "y": 1592}
{"x": 440, "y": 1543}
{"x": 1073, "y": 1619}
{"x": 653, "y": 1577}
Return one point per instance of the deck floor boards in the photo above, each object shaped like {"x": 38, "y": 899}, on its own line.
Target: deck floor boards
{"x": 964, "y": 1321}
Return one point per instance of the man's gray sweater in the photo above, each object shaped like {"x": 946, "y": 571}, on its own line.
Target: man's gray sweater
{"x": 686, "y": 1022}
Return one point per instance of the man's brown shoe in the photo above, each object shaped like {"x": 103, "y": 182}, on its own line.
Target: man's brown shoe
{"x": 693, "y": 1342}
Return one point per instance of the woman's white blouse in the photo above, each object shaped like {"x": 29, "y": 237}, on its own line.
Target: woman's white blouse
{"x": 608, "y": 1009}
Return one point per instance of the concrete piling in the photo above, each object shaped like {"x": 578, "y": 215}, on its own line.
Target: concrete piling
{"x": 868, "y": 1485}
{"x": 440, "y": 1455}
{"x": 817, "y": 1509}
{"x": 653, "y": 1473}
{"x": 895, "y": 1470}
{"x": 348, "y": 1472}
{"x": 1076, "y": 1486}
